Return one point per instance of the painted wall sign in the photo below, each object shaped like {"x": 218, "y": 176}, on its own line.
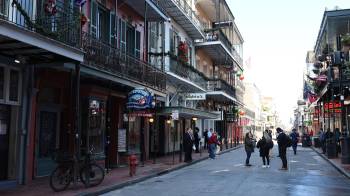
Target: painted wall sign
{"x": 140, "y": 98}
{"x": 195, "y": 96}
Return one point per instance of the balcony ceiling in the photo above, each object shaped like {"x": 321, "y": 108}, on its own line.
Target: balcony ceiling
{"x": 217, "y": 52}
{"x": 220, "y": 96}
{"x": 186, "y": 84}
{"x": 192, "y": 29}
{"x": 188, "y": 112}
{"x": 154, "y": 12}
{"x": 16, "y": 41}
{"x": 26, "y": 53}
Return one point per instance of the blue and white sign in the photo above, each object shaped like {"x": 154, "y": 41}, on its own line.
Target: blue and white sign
{"x": 140, "y": 98}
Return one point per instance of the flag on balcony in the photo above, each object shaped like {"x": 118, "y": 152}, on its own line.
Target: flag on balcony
{"x": 312, "y": 97}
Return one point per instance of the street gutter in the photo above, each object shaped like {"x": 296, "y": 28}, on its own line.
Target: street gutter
{"x": 337, "y": 167}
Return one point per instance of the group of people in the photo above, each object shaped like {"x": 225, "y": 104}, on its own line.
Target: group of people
{"x": 265, "y": 145}
{"x": 191, "y": 142}
{"x": 328, "y": 135}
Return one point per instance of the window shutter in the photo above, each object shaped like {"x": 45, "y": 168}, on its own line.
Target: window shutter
{"x": 93, "y": 23}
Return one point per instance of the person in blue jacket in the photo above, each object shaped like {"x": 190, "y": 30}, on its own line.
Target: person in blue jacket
{"x": 295, "y": 138}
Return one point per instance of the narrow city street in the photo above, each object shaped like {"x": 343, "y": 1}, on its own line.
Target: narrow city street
{"x": 308, "y": 174}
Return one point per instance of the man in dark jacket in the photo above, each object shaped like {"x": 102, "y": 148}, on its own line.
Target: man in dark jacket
{"x": 196, "y": 139}
{"x": 188, "y": 145}
{"x": 205, "y": 138}
{"x": 295, "y": 138}
{"x": 282, "y": 141}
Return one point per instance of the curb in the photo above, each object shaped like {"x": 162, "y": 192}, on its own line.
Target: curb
{"x": 340, "y": 169}
{"x": 134, "y": 181}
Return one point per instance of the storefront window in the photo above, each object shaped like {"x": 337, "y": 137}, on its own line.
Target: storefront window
{"x": 96, "y": 124}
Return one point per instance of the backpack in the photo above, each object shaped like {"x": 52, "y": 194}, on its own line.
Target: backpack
{"x": 288, "y": 141}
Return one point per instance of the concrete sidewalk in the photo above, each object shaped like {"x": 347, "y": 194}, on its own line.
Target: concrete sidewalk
{"x": 336, "y": 163}
{"x": 115, "y": 179}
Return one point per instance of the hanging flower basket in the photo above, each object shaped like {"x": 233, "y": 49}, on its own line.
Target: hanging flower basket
{"x": 50, "y": 7}
{"x": 83, "y": 19}
{"x": 183, "y": 51}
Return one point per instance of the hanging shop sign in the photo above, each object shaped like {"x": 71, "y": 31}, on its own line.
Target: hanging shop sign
{"x": 140, "y": 98}
{"x": 195, "y": 96}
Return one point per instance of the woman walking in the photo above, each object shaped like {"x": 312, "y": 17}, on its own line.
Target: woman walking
{"x": 249, "y": 147}
{"x": 264, "y": 145}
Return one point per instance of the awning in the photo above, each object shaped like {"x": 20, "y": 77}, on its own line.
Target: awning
{"x": 187, "y": 112}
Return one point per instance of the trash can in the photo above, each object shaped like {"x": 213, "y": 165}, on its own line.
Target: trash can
{"x": 331, "y": 150}
{"x": 345, "y": 150}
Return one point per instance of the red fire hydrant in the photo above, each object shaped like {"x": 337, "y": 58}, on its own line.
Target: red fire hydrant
{"x": 132, "y": 164}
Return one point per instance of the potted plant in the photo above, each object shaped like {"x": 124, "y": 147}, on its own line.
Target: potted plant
{"x": 345, "y": 39}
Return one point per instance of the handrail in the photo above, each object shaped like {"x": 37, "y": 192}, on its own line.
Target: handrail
{"x": 60, "y": 22}
{"x": 104, "y": 56}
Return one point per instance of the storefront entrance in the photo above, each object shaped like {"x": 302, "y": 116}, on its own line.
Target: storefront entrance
{"x": 48, "y": 132}
{"x": 4, "y": 140}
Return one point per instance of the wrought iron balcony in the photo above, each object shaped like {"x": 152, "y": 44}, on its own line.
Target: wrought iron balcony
{"x": 217, "y": 35}
{"x": 105, "y": 57}
{"x": 187, "y": 72}
{"x": 59, "y": 21}
{"x": 221, "y": 85}
{"x": 183, "y": 14}
{"x": 219, "y": 48}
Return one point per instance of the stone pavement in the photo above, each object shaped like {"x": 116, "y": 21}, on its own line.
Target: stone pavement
{"x": 308, "y": 174}
{"x": 116, "y": 178}
{"x": 336, "y": 162}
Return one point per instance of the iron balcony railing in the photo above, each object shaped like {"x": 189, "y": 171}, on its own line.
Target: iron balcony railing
{"x": 218, "y": 35}
{"x": 237, "y": 57}
{"x": 187, "y": 9}
{"x": 187, "y": 71}
{"x": 105, "y": 57}
{"x": 57, "y": 21}
{"x": 221, "y": 85}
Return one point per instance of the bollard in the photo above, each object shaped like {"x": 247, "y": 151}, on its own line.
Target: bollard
{"x": 132, "y": 164}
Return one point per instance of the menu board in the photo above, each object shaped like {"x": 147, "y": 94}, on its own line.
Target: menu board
{"x": 121, "y": 140}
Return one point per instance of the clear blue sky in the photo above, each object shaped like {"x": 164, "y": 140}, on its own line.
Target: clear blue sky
{"x": 277, "y": 35}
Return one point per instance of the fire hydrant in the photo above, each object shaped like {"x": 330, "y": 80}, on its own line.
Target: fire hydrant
{"x": 132, "y": 164}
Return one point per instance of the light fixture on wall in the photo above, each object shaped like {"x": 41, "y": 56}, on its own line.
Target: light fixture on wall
{"x": 194, "y": 119}
{"x": 151, "y": 120}
{"x": 168, "y": 121}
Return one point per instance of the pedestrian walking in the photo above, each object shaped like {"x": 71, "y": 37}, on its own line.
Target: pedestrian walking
{"x": 205, "y": 134}
{"x": 283, "y": 142}
{"x": 248, "y": 146}
{"x": 212, "y": 142}
{"x": 337, "y": 140}
{"x": 295, "y": 138}
{"x": 188, "y": 145}
{"x": 264, "y": 145}
{"x": 322, "y": 140}
{"x": 196, "y": 138}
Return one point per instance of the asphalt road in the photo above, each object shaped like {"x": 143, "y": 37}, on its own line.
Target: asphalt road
{"x": 308, "y": 174}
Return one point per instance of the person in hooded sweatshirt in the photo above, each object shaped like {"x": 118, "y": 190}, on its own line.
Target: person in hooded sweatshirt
{"x": 264, "y": 145}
